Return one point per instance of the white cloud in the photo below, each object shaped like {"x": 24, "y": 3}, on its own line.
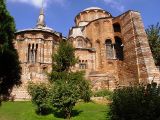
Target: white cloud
{"x": 115, "y": 4}
{"x": 38, "y": 3}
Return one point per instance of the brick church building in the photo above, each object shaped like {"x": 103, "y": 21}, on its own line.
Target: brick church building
{"x": 114, "y": 51}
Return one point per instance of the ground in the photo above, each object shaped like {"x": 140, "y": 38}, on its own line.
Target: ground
{"x": 26, "y": 111}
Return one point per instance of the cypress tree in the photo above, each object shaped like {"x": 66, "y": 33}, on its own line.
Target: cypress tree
{"x": 10, "y": 70}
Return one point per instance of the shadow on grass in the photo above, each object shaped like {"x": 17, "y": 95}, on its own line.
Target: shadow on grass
{"x": 44, "y": 112}
{"x": 61, "y": 115}
{"x": 57, "y": 114}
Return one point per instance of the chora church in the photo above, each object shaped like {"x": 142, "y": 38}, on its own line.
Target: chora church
{"x": 114, "y": 51}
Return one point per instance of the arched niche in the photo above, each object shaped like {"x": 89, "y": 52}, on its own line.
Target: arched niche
{"x": 119, "y": 48}
{"x": 29, "y": 49}
{"x": 88, "y": 43}
{"x": 81, "y": 42}
{"x": 32, "y": 53}
{"x": 109, "y": 49}
{"x": 117, "y": 27}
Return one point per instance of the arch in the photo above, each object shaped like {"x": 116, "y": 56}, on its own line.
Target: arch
{"x": 117, "y": 27}
{"x": 83, "y": 64}
{"x": 29, "y": 50}
{"x": 36, "y": 52}
{"x": 32, "y": 46}
{"x": 119, "y": 48}
{"x": 79, "y": 43}
{"x": 89, "y": 44}
{"x": 109, "y": 49}
{"x": 32, "y": 54}
{"x": 71, "y": 39}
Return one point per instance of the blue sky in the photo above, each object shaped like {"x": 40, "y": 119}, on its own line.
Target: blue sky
{"x": 60, "y": 13}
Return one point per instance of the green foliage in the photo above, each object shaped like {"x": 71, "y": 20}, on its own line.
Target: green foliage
{"x": 69, "y": 86}
{"x": 66, "y": 92}
{"x": 10, "y": 70}
{"x": 153, "y": 33}
{"x": 136, "y": 103}
{"x": 65, "y": 96}
{"x": 40, "y": 97}
{"x": 85, "y": 90}
{"x": 75, "y": 78}
{"x": 103, "y": 93}
{"x": 64, "y": 59}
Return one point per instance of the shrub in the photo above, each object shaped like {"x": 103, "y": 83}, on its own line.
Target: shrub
{"x": 136, "y": 103}
{"x": 68, "y": 88}
{"x": 85, "y": 91}
{"x": 103, "y": 93}
{"x": 40, "y": 97}
{"x": 64, "y": 98}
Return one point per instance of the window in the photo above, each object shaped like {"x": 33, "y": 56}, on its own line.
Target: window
{"x": 80, "y": 43}
{"x": 117, "y": 27}
{"x": 32, "y": 53}
{"x": 44, "y": 69}
{"x": 119, "y": 48}
{"x": 82, "y": 64}
{"x": 36, "y": 50}
{"x": 29, "y": 47}
{"x": 109, "y": 49}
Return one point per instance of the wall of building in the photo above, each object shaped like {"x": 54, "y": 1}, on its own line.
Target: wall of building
{"x": 114, "y": 51}
{"x": 34, "y": 67}
{"x": 136, "y": 66}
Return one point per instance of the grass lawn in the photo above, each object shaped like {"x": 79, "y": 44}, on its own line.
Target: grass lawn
{"x": 26, "y": 111}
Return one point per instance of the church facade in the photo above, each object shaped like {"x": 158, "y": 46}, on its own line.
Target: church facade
{"x": 114, "y": 51}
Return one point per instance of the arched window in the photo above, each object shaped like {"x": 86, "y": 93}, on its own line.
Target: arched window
{"x": 32, "y": 54}
{"x": 117, "y": 27}
{"x": 109, "y": 49}
{"x": 80, "y": 43}
{"x": 83, "y": 64}
{"x": 36, "y": 50}
{"x": 119, "y": 48}
{"x": 29, "y": 49}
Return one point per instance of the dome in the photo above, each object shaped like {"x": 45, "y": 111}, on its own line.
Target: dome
{"x": 90, "y": 14}
{"x": 93, "y": 8}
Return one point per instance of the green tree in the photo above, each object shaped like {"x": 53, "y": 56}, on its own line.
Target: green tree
{"x": 69, "y": 86}
{"x": 10, "y": 70}
{"x": 153, "y": 33}
{"x": 136, "y": 103}
{"x": 40, "y": 97}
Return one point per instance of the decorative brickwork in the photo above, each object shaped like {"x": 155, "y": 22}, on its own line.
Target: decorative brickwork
{"x": 126, "y": 59}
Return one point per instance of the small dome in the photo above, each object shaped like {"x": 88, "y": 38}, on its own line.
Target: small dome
{"x": 93, "y": 8}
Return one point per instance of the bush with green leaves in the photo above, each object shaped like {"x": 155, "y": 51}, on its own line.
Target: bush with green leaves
{"x": 153, "y": 34}
{"x": 69, "y": 86}
{"x": 40, "y": 97}
{"x": 67, "y": 91}
{"x": 65, "y": 96}
{"x": 103, "y": 93}
{"x": 136, "y": 103}
{"x": 85, "y": 90}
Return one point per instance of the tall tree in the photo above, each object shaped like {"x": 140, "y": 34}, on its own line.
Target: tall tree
{"x": 68, "y": 86}
{"x": 10, "y": 70}
{"x": 153, "y": 33}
